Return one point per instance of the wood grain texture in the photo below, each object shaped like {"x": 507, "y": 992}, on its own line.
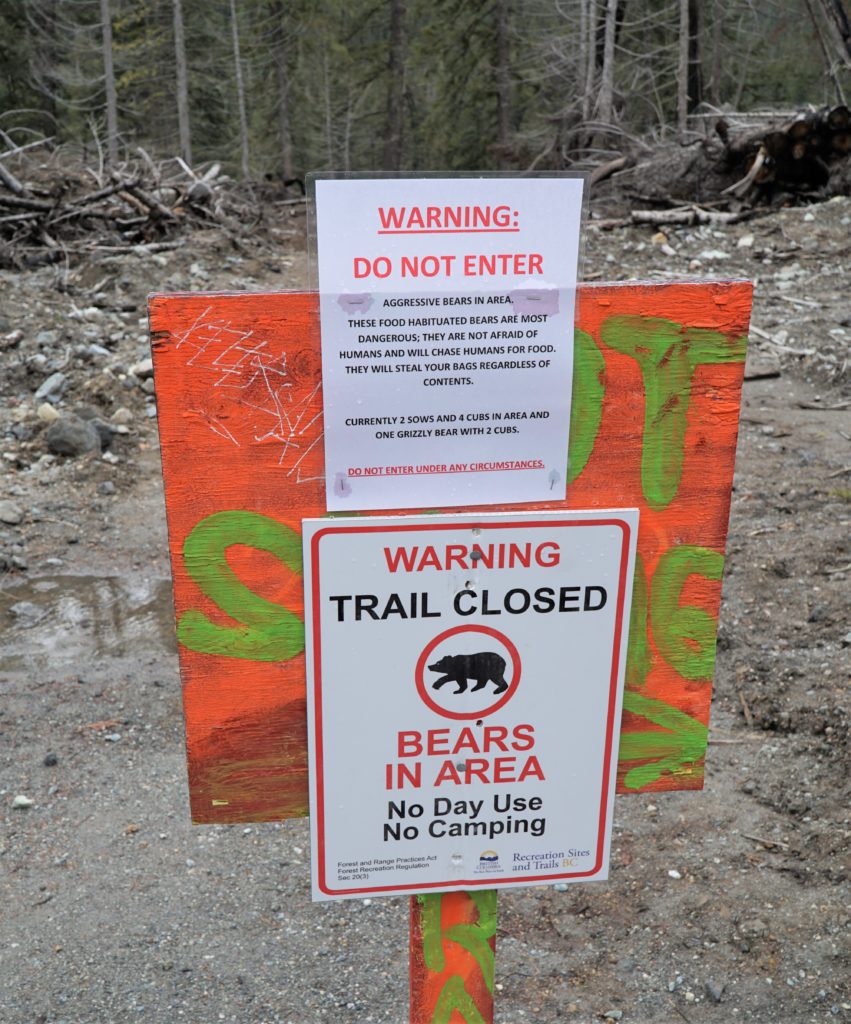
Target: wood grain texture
{"x": 655, "y": 416}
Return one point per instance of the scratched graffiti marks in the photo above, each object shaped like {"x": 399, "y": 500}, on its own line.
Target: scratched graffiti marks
{"x": 244, "y": 370}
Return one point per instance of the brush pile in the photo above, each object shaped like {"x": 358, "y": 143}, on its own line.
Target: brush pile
{"x": 53, "y": 209}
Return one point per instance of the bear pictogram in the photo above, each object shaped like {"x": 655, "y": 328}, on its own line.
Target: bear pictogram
{"x": 484, "y": 667}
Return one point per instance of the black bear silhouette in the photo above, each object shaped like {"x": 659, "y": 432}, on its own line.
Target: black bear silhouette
{"x": 484, "y": 667}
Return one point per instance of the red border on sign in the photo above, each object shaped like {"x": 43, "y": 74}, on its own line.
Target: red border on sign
{"x": 469, "y": 627}
{"x": 607, "y": 779}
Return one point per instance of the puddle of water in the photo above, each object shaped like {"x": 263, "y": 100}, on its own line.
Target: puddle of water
{"x": 61, "y": 619}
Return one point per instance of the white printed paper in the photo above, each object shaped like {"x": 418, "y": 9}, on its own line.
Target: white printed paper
{"x": 464, "y": 680}
{"x": 447, "y": 310}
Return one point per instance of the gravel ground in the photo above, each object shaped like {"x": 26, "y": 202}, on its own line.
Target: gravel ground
{"x": 730, "y": 904}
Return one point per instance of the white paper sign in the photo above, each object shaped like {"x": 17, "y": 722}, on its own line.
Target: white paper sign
{"x": 464, "y": 688}
{"x": 447, "y": 338}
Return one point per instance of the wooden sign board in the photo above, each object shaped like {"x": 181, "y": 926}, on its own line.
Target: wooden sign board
{"x": 654, "y": 417}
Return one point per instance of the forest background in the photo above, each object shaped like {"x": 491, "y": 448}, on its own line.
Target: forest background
{"x": 277, "y": 88}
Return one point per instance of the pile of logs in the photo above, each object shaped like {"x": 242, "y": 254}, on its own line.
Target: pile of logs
{"x": 52, "y": 209}
{"x": 733, "y": 171}
{"x": 797, "y": 156}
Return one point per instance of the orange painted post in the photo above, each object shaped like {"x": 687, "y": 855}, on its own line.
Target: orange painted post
{"x": 656, "y": 394}
{"x": 453, "y": 957}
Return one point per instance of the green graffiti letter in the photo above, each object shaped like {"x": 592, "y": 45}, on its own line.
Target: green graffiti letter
{"x": 586, "y": 406}
{"x": 677, "y": 750}
{"x": 638, "y": 652}
{"x": 454, "y": 997}
{"x": 432, "y": 939}
{"x": 668, "y": 355}
{"x": 474, "y": 937}
{"x": 267, "y": 631}
{"x": 685, "y": 635}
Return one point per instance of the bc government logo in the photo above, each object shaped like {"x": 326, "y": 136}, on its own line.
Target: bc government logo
{"x": 488, "y": 861}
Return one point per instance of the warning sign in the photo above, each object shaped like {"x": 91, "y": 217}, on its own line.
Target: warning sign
{"x": 447, "y": 311}
{"x": 464, "y": 692}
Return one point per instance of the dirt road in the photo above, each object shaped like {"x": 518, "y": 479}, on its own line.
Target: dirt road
{"x": 728, "y": 905}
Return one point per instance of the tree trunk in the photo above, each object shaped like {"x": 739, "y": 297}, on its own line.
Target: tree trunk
{"x": 328, "y": 120}
{"x": 718, "y": 13}
{"x": 395, "y": 88}
{"x": 829, "y": 62}
{"x": 240, "y": 94}
{"x": 589, "y": 80}
{"x": 42, "y": 41}
{"x": 282, "y": 82}
{"x": 605, "y": 98}
{"x": 602, "y": 24}
{"x": 582, "y": 58}
{"x": 682, "y": 71}
{"x": 183, "y": 130}
{"x": 503, "y": 84}
{"x": 109, "y": 83}
{"x": 695, "y": 63}
{"x": 838, "y": 17}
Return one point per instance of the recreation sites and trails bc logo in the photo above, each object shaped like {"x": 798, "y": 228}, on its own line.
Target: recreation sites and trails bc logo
{"x": 468, "y": 672}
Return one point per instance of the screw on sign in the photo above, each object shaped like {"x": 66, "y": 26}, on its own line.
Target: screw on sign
{"x": 654, "y": 419}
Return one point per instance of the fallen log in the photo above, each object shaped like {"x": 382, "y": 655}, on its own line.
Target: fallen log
{"x": 10, "y": 181}
{"x": 689, "y": 215}
{"x": 25, "y": 148}
{"x": 23, "y": 203}
{"x": 94, "y": 197}
{"x": 607, "y": 170}
{"x": 153, "y": 204}
{"x": 739, "y": 188}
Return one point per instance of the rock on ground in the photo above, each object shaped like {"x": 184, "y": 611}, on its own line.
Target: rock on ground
{"x": 72, "y": 436}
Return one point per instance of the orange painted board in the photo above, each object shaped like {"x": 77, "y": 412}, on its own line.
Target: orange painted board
{"x": 656, "y": 394}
